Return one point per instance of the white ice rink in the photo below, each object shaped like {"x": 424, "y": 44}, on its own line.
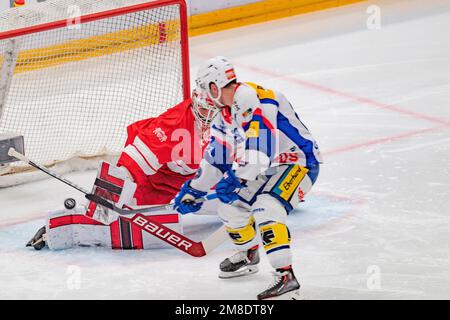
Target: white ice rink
{"x": 377, "y": 223}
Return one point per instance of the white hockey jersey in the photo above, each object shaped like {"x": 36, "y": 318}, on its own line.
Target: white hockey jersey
{"x": 259, "y": 132}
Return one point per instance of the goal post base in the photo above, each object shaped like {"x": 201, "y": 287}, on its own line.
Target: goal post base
{"x": 8, "y": 141}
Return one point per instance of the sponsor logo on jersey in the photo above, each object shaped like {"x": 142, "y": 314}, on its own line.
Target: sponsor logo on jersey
{"x": 287, "y": 157}
{"x": 289, "y": 184}
{"x": 160, "y": 134}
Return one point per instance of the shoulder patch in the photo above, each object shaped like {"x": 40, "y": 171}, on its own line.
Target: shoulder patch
{"x": 247, "y": 113}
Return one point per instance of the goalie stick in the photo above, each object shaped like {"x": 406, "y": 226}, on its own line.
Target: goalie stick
{"x": 147, "y": 224}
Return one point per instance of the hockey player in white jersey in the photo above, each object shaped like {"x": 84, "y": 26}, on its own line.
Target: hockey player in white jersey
{"x": 262, "y": 161}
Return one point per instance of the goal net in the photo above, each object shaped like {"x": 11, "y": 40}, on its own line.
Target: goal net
{"x": 75, "y": 73}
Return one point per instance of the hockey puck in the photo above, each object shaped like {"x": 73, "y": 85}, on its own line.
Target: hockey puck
{"x": 70, "y": 203}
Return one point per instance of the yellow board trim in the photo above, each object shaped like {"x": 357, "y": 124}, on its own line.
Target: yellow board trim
{"x": 258, "y": 12}
{"x": 124, "y": 40}
{"x": 76, "y": 50}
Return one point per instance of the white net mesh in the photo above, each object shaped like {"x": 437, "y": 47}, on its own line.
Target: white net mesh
{"x": 73, "y": 90}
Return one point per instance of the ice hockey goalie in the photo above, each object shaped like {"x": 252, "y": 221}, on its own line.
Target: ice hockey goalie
{"x": 160, "y": 154}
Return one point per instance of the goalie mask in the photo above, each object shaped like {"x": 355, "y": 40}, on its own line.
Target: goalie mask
{"x": 203, "y": 108}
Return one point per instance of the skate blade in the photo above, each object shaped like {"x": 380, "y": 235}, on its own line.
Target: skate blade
{"x": 292, "y": 295}
{"x": 240, "y": 273}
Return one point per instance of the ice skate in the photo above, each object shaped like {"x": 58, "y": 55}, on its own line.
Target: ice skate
{"x": 38, "y": 241}
{"x": 285, "y": 287}
{"x": 240, "y": 264}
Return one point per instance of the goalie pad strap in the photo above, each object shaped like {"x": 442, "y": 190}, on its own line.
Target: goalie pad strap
{"x": 113, "y": 184}
{"x": 108, "y": 186}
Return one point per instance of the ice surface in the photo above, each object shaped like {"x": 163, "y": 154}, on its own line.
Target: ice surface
{"x": 377, "y": 101}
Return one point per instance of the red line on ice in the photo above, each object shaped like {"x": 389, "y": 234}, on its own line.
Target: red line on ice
{"x": 384, "y": 140}
{"x": 347, "y": 95}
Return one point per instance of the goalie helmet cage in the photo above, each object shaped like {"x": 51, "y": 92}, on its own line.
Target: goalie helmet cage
{"x": 75, "y": 73}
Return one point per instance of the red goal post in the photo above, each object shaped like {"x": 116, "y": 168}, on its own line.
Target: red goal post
{"x": 71, "y": 85}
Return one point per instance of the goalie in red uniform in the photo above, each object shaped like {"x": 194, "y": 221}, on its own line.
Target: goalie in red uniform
{"x": 160, "y": 154}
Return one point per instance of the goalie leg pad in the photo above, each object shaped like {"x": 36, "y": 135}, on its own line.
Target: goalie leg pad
{"x": 71, "y": 228}
{"x": 126, "y": 235}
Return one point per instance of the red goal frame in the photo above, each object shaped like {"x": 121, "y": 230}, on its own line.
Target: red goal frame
{"x": 118, "y": 12}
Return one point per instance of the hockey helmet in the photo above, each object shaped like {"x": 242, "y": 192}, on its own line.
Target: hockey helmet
{"x": 218, "y": 70}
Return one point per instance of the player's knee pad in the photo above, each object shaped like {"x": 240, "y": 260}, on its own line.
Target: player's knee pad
{"x": 275, "y": 236}
{"x": 276, "y": 240}
{"x": 243, "y": 236}
{"x": 239, "y": 224}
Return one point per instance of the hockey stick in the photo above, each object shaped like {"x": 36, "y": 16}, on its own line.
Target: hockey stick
{"x": 13, "y": 153}
{"x": 126, "y": 212}
{"x": 175, "y": 239}
{"x": 95, "y": 198}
